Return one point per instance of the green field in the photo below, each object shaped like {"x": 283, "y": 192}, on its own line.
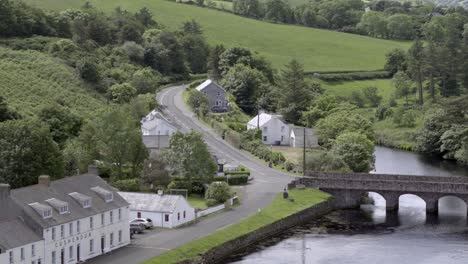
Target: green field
{"x": 29, "y": 80}
{"x": 319, "y": 50}
{"x": 277, "y": 210}
{"x": 344, "y": 89}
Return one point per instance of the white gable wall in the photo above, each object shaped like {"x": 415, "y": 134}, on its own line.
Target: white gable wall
{"x": 175, "y": 218}
{"x": 161, "y": 128}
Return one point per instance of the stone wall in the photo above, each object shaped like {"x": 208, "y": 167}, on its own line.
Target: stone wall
{"x": 217, "y": 254}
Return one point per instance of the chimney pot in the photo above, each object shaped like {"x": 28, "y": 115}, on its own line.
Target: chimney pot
{"x": 4, "y": 191}
{"x": 44, "y": 180}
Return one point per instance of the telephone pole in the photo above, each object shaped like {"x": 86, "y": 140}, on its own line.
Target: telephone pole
{"x": 304, "y": 154}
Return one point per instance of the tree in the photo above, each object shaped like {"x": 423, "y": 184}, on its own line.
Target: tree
{"x": 5, "y": 112}
{"x": 402, "y": 84}
{"x": 401, "y": 26}
{"x": 28, "y": 151}
{"x": 320, "y": 108}
{"x": 358, "y": 99}
{"x": 199, "y": 103}
{"x": 122, "y": 93}
{"x": 326, "y": 161}
{"x": 155, "y": 173}
{"x": 214, "y": 70}
{"x": 374, "y": 24}
{"x": 146, "y": 80}
{"x": 372, "y": 96}
{"x": 295, "y": 95}
{"x": 145, "y": 17}
{"x": 218, "y": 191}
{"x": 395, "y": 61}
{"x": 244, "y": 83}
{"x": 134, "y": 51}
{"x": 63, "y": 124}
{"x": 416, "y": 66}
{"x": 188, "y": 156}
{"x": 356, "y": 150}
{"x": 88, "y": 70}
{"x": 196, "y": 52}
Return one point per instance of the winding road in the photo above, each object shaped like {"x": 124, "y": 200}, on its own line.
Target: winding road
{"x": 259, "y": 193}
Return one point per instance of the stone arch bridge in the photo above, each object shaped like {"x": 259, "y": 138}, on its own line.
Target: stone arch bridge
{"x": 348, "y": 188}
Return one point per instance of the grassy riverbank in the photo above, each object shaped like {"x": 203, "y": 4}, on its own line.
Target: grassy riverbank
{"x": 278, "y": 209}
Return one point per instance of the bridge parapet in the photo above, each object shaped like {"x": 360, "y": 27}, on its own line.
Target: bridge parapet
{"x": 390, "y": 177}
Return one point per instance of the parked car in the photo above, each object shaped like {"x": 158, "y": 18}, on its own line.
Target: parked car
{"x": 145, "y": 221}
{"x": 137, "y": 228}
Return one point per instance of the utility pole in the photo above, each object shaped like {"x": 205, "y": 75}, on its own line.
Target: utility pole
{"x": 304, "y": 154}
{"x": 258, "y": 116}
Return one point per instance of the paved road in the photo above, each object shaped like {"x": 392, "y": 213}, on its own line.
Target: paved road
{"x": 259, "y": 193}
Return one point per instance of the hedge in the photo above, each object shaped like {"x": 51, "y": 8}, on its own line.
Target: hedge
{"x": 350, "y": 76}
{"x": 238, "y": 179}
{"x": 128, "y": 185}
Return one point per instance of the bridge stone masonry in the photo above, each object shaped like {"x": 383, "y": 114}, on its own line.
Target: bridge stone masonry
{"x": 349, "y": 188}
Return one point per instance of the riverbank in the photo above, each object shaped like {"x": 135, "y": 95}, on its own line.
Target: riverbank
{"x": 278, "y": 216}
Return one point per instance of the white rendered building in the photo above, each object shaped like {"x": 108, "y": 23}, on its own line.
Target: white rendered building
{"x": 64, "y": 221}
{"x": 274, "y": 130}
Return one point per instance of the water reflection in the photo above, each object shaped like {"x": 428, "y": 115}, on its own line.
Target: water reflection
{"x": 371, "y": 235}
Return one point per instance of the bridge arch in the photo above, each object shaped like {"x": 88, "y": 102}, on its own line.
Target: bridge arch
{"x": 410, "y": 200}
{"x": 378, "y": 198}
{"x": 450, "y": 204}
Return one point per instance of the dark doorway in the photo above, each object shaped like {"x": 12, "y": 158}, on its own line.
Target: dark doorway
{"x": 103, "y": 242}
{"x": 78, "y": 253}
{"x": 62, "y": 256}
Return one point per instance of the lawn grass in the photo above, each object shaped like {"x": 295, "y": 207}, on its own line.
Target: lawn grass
{"x": 197, "y": 201}
{"x": 277, "y": 210}
{"x": 344, "y": 89}
{"x": 30, "y": 80}
{"x": 319, "y": 50}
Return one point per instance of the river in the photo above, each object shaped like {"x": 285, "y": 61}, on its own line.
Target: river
{"x": 369, "y": 235}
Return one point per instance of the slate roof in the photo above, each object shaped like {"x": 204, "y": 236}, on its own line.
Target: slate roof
{"x": 206, "y": 84}
{"x": 15, "y": 233}
{"x": 151, "y": 202}
{"x": 150, "y": 121}
{"x": 156, "y": 142}
{"x": 264, "y": 118}
{"x": 60, "y": 189}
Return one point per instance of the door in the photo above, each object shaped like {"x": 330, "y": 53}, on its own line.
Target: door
{"x": 139, "y": 215}
{"x": 78, "y": 253}
{"x": 103, "y": 242}
{"x": 62, "y": 256}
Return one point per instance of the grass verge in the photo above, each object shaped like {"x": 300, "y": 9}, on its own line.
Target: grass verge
{"x": 197, "y": 201}
{"x": 278, "y": 209}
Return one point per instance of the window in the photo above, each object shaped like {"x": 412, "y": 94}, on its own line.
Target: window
{"x": 120, "y": 236}
{"x": 178, "y": 216}
{"x": 22, "y": 254}
{"x": 62, "y": 231}
{"x": 139, "y": 215}
{"x": 109, "y": 197}
{"x": 166, "y": 218}
{"x": 87, "y": 203}
{"x": 282, "y": 138}
{"x": 33, "y": 262}
{"x": 184, "y": 214}
{"x": 265, "y": 129}
{"x": 91, "y": 245}
{"x": 120, "y": 214}
{"x": 219, "y": 93}
{"x": 282, "y": 128}
{"x": 63, "y": 209}
{"x": 265, "y": 138}
{"x": 70, "y": 227}
{"x": 53, "y": 233}
{"x": 33, "y": 250}
{"x": 11, "y": 257}
{"x": 39, "y": 261}
{"x": 78, "y": 226}
{"x": 47, "y": 213}
{"x": 102, "y": 219}
{"x": 91, "y": 224}
{"x": 111, "y": 239}
{"x": 111, "y": 214}
{"x": 70, "y": 252}
{"x": 53, "y": 257}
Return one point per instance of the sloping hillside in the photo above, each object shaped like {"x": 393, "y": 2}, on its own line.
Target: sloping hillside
{"x": 319, "y": 50}
{"x": 30, "y": 79}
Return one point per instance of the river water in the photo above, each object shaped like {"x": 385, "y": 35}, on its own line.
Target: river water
{"x": 369, "y": 235}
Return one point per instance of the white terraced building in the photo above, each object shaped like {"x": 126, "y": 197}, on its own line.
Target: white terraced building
{"x": 64, "y": 221}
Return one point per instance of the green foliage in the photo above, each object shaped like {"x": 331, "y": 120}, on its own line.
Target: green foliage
{"x": 122, "y": 93}
{"x": 404, "y": 117}
{"x": 356, "y": 150}
{"x": 155, "y": 172}
{"x": 354, "y": 76}
{"x": 357, "y": 99}
{"x": 211, "y": 202}
{"x": 63, "y": 124}
{"x": 383, "y": 111}
{"x": 199, "y": 103}
{"x": 372, "y": 96}
{"x": 218, "y": 191}
{"x": 88, "y": 70}
{"x": 127, "y": 185}
{"x": 396, "y": 61}
{"x": 238, "y": 179}
{"x": 5, "y": 112}
{"x": 188, "y": 156}
{"x": 146, "y": 80}
{"x": 28, "y": 151}
{"x": 320, "y": 108}
{"x": 181, "y": 185}
{"x": 326, "y": 161}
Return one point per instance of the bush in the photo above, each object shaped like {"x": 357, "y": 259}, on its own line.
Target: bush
{"x": 350, "y": 76}
{"x": 219, "y": 178}
{"x": 238, "y": 179}
{"x": 382, "y": 112}
{"x": 289, "y": 166}
{"x": 185, "y": 185}
{"x": 404, "y": 118}
{"x": 218, "y": 191}
{"x": 211, "y": 202}
{"x": 128, "y": 185}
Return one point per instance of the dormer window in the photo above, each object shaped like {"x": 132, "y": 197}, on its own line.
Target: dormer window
{"x": 106, "y": 195}
{"x": 82, "y": 199}
{"x": 60, "y": 206}
{"x": 43, "y": 210}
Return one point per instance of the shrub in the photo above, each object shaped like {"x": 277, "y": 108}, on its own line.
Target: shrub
{"x": 219, "y": 178}
{"x": 218, "y": 191}
{"x": 289, "y": 166}
{"x": 238, "y": 179}
{"x": 128, "y": 185}
{"x": 349, "y": 76}
{"x": 404, "y": 118}
{"x": 382, "y": 112}
{"x": 185, "y": 185}
{"x": 211, "y": 202}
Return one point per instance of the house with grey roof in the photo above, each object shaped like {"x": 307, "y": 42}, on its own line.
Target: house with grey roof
{"x": 156, "y": 131}
{"x": 63, "y": 221}
{"x": 164, "y": 210}
{"x": 216, "y": 96}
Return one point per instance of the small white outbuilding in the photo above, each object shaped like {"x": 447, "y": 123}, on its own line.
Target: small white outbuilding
{"x": 165, "y": 210}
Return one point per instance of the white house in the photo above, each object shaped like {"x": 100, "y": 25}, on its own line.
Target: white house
{"x": 155, "y": 124}
{"x": 274, "y": 130}
{"x": 165, "y": 210}
{"x": 216, "y": 95}
{"x": 64, "y": 221}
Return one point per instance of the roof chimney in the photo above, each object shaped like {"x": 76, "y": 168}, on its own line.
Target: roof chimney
{"x": 93, "y": 170}
{"x": 4, "y": 191}
{"x": 44, "y": 180}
